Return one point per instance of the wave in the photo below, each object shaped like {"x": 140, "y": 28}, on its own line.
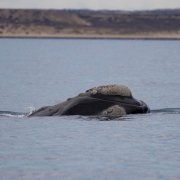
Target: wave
{"x": 12, "y": 114}
{"x": 25, "y": 114}
{"x": 17, "y": 114}
{"x": 166, "y": 111}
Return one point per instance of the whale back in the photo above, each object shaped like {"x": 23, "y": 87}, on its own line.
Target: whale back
{"x": 109, "y": 101}
{"x": 110, "y": 90}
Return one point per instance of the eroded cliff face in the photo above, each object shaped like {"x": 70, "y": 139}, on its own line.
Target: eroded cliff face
{"x": 82, "y": 23}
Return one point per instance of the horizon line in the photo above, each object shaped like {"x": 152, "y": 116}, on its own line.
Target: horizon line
{"x": 89, "y": 9}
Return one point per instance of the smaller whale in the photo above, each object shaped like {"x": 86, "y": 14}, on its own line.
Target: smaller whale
{"x": 106, "y": 101}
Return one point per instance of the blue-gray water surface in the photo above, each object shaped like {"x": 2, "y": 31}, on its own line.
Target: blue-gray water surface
{"x": 38, "y": 72}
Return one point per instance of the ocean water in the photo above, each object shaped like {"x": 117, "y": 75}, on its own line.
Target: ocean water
{"x": 39, "y": 72}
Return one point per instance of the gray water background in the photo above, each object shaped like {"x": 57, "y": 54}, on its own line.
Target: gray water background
{"x": 38, "y": 72}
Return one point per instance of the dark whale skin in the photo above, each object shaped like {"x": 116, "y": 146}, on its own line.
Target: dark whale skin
{"x": 87, "y": 104}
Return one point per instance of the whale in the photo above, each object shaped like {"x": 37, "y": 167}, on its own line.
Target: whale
{"x": 104, "y": 101}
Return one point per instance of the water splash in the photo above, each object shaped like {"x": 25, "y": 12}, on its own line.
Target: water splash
{"x": 30, "y": 110}
{"x": 12, "y": 114}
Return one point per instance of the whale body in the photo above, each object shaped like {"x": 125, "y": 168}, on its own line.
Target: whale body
{"x": 106, "y": 101}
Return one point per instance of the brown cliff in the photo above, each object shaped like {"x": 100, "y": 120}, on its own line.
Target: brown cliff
{"x": 90, "y": 24}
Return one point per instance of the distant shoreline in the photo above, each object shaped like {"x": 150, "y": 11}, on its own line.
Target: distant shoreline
{"x": 104, "y": 37}
{"x": 88, "y": 24}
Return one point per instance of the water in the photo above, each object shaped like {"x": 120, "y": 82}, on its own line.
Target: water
{"x": 34, "y": 73}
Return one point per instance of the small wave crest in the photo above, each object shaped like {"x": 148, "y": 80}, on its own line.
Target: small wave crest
{"x": 167, "y": 111}
{"x": 12, "y": 114}
{"x": 29, "y": 110}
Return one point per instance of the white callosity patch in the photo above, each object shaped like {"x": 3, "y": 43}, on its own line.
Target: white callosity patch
{"x": 120, "y": 90}
{"x": 114, "y": 111}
